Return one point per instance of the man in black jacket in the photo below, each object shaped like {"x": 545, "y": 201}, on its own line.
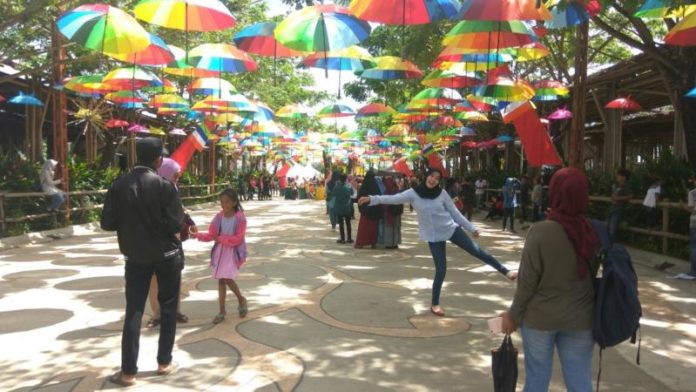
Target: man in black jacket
{"x": 146, "y": 213}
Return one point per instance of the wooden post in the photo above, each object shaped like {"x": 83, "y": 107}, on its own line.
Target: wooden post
{"x": 212, "y": 165}
{"x": 576, "y": 156}
{"x": 3, "y": 225}
{"x": 665, "y": 228}
{"x": 59, "y": 115}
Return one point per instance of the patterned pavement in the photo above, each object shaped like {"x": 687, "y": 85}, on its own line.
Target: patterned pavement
{"x": 323, "y": 316}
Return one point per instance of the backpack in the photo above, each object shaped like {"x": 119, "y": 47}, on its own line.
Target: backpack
{"x": 617, "y": 308}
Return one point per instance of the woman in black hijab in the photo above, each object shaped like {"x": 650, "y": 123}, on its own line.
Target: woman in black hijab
{"x": 368, "y": 225}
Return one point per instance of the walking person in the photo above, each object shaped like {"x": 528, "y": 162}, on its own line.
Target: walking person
{"x": 48, "y": 185}
{"x": 146, "y": 213}
{"x": 227, "y": 230}
{"x": 620, "y": 195}
{"x": 554, "y": 300}
{"x": 439, "y": 221}
{"x": 652, "y": 196}
{"x": 509, "y": 203}
{"x": 342, "y": 208}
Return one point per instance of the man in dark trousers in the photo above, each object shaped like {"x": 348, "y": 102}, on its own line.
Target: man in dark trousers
{"x": 146, "y": 213}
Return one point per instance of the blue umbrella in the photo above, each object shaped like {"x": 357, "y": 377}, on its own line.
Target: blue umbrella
{"x": 22, "y": 99}
{"x": 691, "y": 94}
{"x": 466, "y": 131}
{"x": 504, "y": 138}
{"x": 573, "y": 14}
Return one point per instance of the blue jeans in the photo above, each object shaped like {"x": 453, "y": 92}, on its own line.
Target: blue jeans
{"x": 437, "y": 249}
{"x": 692, "y": 250}
{"x": 574, "y": 350}
{"x": 613, "y": 222}
{"x": 57, "y": 200}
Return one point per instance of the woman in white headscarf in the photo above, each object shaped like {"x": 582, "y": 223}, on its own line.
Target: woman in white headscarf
{"x": 48, "y": 185}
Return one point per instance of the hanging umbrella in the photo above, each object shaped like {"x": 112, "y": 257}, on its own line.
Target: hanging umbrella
{"x": 375, "y": 110}
{"x": 263, "y": 113}
{"x": 663, "y": 9}
{"x": 624, "y": 104}
{"x": 390, "y": 67}
{"x": 87, "y": 84}
{"x": 504, "y": 88}
{"x": 167, "y": 87}
{"x": 504, "y": 138}
{"x": 2, "y": 99}
{"x": 321, "y": 28}
{"x": 503, "y": 10}
{"x": 353, "y": 58}
{"x": 404, "y": 12}
{"x": 138, "y": 128}
{"x": 451, "y": 79}
{"x": 116, "y": 123}
{"x": 179, "y": 66}
{"x": 691, "y": 93}
{"x": 177, "y": 132}
{"x": 530, "y": 52}
{"x": 572, "y": 14}
{"x": 187, "y": 15}
{"x": 397, "y": 130}
{"x": 549, "y": 90}
{"x": 131, "y": 78}
{"x": 222, "y": 58}
{"x": 472, "y": 116}
{"x": 258, "y": 39}
{"x": 156, "y": 53}
{"x": 335, "y": 111}
{"x": 486, "y": 34}
{"x": 234, "y": 102}
{"x": 292, "y": 111}
{"x": 560, "y": 114}
{"x": 684, "y": 33}
{"x": 22, "y": 99}
{"x": 226, "y": 118}
{"x": 210, "y": 86}
{"x": 437, "y": 96}
{"x": 169, "y": 101}
{"x": 125, "y": 97}
{"x": 103, "y": 28}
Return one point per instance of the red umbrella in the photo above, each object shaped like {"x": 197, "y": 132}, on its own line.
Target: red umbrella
{"x": 2, "y": 99}
{"x": 116, "y": 123}
{"x": 625, "y": 104}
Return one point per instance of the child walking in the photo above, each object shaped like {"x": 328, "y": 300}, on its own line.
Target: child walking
{"x": 229, "y": 252}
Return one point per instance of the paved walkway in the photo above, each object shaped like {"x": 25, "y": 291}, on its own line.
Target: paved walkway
{"x": 323, "y": 316}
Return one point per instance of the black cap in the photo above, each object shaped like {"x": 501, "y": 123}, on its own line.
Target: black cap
{"x": 148, "y": 149}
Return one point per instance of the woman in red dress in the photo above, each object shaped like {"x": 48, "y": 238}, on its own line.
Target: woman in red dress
{"x": 368, "y": 225}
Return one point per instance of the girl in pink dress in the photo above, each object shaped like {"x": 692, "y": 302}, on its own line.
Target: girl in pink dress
{"x": 229, "y": 252}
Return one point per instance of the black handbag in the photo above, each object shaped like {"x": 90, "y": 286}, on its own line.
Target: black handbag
{"x": 504, "y": 366}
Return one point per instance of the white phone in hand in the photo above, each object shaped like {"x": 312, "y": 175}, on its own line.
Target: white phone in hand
{"x": 495, "y": 325}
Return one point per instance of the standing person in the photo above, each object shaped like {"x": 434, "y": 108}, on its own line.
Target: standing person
{"x": 554, "y": 300}
{"x": 48, "y": 185}
{"x": 691, "y": 207}
{"x": 509, "y": 203}
{"x": 468, "y": 197}
{"x": 481, "y": 184}
{"x": 620, "y": 195}
{"x": 536, "y": 199}
{"x": 439, "y": 221}
{"x": 392, "y": 216}
{"x": 368, "y": 225}
{"x": 227, "y": 230}
{"x": 146, "y": 213}
{"x": 341, "y": 196}
{"x": 330, "y": 201}
{"x": 652, "y": 196}
{"x": 525, "y": 187}
{"x": 252, "y": 188}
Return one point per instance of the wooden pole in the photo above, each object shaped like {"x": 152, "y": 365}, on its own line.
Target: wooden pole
{"x": 576, "y": 156}
{"x": 59, "y": 116}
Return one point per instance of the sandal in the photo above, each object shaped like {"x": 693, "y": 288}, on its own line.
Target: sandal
{"x": 218, "y": 319}
{"x": 154, "y": 322}
{"x": 167, "y": 370}
{"x": 243, "y": 310}
{"x": 438, "y": 313}
{"x": 117, "y": 378}
{"x": 181, "y": 318}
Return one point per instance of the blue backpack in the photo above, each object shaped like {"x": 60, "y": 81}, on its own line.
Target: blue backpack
{"x": 617, "y": 309}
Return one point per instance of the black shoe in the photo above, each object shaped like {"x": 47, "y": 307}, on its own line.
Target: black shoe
{"x": 340, "y": 241}
{"x": 349, "y": 241}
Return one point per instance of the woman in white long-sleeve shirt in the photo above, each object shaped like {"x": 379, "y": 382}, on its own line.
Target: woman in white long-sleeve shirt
{"x": 439, "y": 221}
{"x": 48, "y": 185}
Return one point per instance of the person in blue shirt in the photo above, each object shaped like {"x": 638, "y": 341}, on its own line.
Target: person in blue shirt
{"x": 439, "y": 221}
{"x": 509, "y": 202}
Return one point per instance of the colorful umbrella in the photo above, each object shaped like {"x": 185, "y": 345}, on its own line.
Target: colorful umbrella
{"x": 292, "y": 111}
{"x": 390, "y": 67}
{"x": 404, "y": 12}
{"x": 437, "y": 96}
{"x": 549, "y": 90}
{"x": 451, "y": 79}
{"x": 321, "y": 28}
{"x": 188, "y": 15}
{"x": 529, "y": 52}
{"x": 103, "y": 28}
{"x": 662, "y": 9}
{"x": 690, "y": 94}
{"x": 571, "y": 14}
{"x": 472, "y": 116}
{"x": 624, "y": 103}
{"x": 156, "y": 53}
{"x": 486, "y": 34}
{"x": 167, "y": 87}
{"x": 335, "y": 111}
{"x": 375, "y": 110}
{"x": 125, "y": 97}
{"x": 353, "y": 58}
{"x": 179, "y": 66}
{"x": 116, "y": 123}
{"x": 87, "y": 84}
{"x": 506, "y": 89}
{"x": 466, "y": 131}
{"x": 169, "y": 101}
{"x": 263, "y": 113}
{"x": 210, "y": 86}
{"x": 222, "y": 58}
{"x": 234, "y": 102}
{"x": 398, "y": 130}
{"x": 503, "y": 10}
{"x": 560, "y": 114}
{"x": 684, "y": 33}
{"x": 259, "y": 39}
{"x": 22, "y": 99}
{"x": 131, "y": 78}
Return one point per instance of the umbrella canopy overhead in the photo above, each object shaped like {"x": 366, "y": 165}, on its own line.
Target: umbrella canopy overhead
{"x": 259, "y": 39}
{"x": 222, "y": 58}
{"x": 503, "y": 10}
{"x": 662, "y": 9}
{"x": 390, "y": 67}
{"x": 437, "y": 96}
{"x": 156, "y": 53}
{"x": 560, "y": 114}
{"x": 375, "y": 110}
{"x": 87, "y": 84}
{"x": 404, "y": 12}
{"x": 22, "y": 99}
{"x": 486, "y": 34}
{"x": 572, "y": 14}
{"x": 179, "y": 66}
{"x": 130, "y": 78}
{"x": 451, "y": 79}
{"x": 292, "y": 111}
{"x": 624, "y": 103}
{"x": 103, "y": 28}
{"x": 189, "y": 15}
{"x": 321, "y": 28}
{"x": 210, "y": 86}
{"x": 353, "y": 58}
{"x": 169, "y": 101}
{"x": 335, "y": 111}
{"x": 684, "y": 33}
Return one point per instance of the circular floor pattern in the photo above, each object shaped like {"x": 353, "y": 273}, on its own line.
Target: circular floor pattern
{"x": 88, "y": 261}
{"x": 28, "y": 319}
{"x": 28, "y": 256}
{"x": 97, "y": 283}
{"x": 42, "y": 274}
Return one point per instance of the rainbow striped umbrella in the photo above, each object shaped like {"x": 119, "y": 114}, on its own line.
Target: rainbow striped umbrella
{"x": 170, "y": 101}
{"x": 529, "y": 52}
{"x": 167, "y": 87}
{"x": 263, "y": 113}
{"x": 390, "y": 67}
{"x": 398, "y": 130}
{"x": 506, "y": 89}
{"x": 188, "y": 15}
{"x": 210, "y": 86}
{"x": 437, "y": 96}
{"x": 353, "y": 58}
{"x": 375, "y": 110}
{"x": 572, "y": 14}
{"x": 87, "y": 84}
{"x": 486, "y": 34}
{"x": 404, "y": 12}
{"x": 503, "y": 10}
{"x": 222, "y": 58}
{"x": 179, "y": 66}
{"x": 103, "y": 28}
{"x": 451, "y": 79}
{"x": 233, "y": 102}
{"x": 156, "y": 53}
{"x": 472, "y": 116}
{"x": 321, "y": 28}
{"x": 662, "y": 9}
{"x": 335, "y": 111}
{"x": 125, "y": 97}
{"x": 684, "y": 33}
{"x": 259, "y": 39}
{"x": 130, "y": 78}
{"x": 550, "y": 90}
{"x": 292, "y": 111}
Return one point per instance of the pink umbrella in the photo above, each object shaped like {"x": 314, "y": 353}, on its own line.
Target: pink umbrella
{"x": 561, "y": 114}
{"x": 138, "y": 128}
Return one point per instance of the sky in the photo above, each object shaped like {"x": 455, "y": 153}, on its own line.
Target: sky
{"x": 322, "y": 83}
